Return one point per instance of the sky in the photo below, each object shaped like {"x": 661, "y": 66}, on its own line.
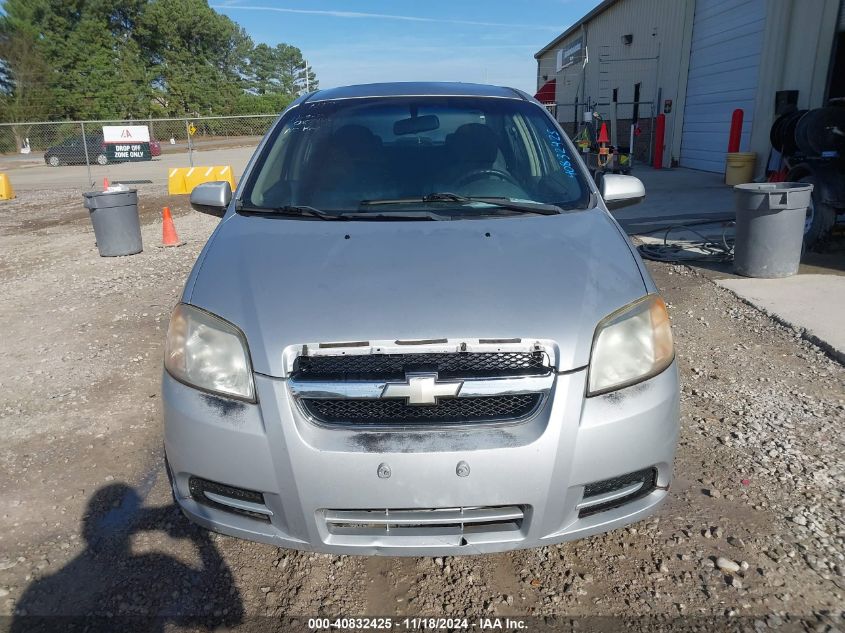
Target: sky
{"x": 364, "y": 41}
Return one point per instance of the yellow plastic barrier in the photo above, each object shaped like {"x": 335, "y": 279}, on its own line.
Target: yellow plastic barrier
{"x": 6, "y": 191}
{"x": 184, "y": 179}
{"x": 176, "y": 181}
{"x": 225, "y": 172}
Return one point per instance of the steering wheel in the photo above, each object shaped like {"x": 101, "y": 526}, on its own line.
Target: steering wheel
{"x": 478, "y": 174}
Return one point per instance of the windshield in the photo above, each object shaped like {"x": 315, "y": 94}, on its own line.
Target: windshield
{"x": 391, "y": 154}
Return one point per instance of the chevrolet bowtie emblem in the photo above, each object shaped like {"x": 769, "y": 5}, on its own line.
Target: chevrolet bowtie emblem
{"x": 421, "y": 389}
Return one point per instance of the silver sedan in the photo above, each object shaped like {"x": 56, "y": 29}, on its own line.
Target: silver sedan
{"x": 418, "y": 330}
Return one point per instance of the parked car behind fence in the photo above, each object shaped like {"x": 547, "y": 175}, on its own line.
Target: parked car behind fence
{"x": 72, "y": 151}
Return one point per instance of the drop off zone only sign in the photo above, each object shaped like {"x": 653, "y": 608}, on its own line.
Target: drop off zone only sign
{"x": 127, "y": 142}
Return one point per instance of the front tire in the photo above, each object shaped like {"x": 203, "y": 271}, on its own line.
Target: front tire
{"x": 54, "y": 161}
{"x": 820, "y": 216}
{"x": 102, "y": 159}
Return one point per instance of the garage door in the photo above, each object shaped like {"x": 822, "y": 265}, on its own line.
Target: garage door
{"x": 727, "y": 39}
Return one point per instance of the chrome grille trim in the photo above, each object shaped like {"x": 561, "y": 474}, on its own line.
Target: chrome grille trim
{"x": 321, "y": 390}
{"x": 438, "y": 516}
{"x": 613, "y": 495}
{"x": 455, "y": 526}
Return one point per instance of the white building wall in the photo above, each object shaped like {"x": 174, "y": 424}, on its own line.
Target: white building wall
{"x": 656, "y": 27}
{"x": 545, "y": 68}
{"x": 657, "y": 30}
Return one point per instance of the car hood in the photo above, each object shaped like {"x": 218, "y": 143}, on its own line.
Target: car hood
{"x": 291, "y": 282}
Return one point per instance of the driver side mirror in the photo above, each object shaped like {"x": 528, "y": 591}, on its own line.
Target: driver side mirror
{"x": 212, "y": 198}
{"x": 621, "y": 191}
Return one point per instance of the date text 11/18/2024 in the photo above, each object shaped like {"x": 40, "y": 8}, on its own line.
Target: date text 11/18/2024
{"x": 416, "y": 624}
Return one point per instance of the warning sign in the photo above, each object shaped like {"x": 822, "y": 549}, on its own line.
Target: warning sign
{"x": 127, "y": 142}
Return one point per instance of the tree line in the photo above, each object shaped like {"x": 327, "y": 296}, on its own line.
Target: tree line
{"x": 132, "y": 59}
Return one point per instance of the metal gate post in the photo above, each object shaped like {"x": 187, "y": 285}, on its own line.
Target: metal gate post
{"x": 576, "y": 127}
{"x": 614, "y": 118}
{"x": 190, "y": 147}
{"x": 87, "y": 160}
{"x": 651, "y": 135}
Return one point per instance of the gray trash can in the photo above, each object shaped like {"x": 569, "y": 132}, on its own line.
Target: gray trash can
{"x": 117, "y": 227}
{"x": 770, "y": 227}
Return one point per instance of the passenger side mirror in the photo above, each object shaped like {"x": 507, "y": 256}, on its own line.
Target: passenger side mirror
{"x": 621, "y": 191}
{"x": 212, "y": 198}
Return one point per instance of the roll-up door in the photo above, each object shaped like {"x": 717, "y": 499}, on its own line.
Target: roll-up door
{"x": 727, "y": 40}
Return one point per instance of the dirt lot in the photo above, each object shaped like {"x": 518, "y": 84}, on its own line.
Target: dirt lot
{"x": 87, "y": 525}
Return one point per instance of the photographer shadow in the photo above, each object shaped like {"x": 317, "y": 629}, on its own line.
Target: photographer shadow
{"x": 108, "y": 587}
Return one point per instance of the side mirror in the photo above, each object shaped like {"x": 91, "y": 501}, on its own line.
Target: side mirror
{"x": 212, "y": 198}
{"x": 621, "y": 191}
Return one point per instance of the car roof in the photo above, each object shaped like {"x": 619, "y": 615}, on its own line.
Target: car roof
{"x": 415, "y": 89}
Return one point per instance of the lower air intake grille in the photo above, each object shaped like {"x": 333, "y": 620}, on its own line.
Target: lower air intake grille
{"x": 364, "y": 412}
{"x": 421, "y": 522}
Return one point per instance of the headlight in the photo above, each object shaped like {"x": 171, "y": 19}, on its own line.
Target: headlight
{"x": 206, "y": 352}
{"x": 631, "y": 345}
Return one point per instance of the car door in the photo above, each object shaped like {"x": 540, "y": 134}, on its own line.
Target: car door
{"x": 70, "y": 150}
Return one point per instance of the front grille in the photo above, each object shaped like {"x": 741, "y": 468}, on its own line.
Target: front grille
{"x": 440, "y": 522}
{"x": 445, "y": 365}
{"x": 363, "y": 412}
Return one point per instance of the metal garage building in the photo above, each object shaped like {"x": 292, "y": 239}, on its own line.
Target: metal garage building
{"x": 696, "y": 61}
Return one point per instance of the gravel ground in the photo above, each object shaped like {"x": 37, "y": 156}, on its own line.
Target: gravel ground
{"x": 753, "y": 529}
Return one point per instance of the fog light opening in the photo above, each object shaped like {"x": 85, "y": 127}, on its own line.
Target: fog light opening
{"x": 611, "y": 493}
{"x": 240, "y": 501}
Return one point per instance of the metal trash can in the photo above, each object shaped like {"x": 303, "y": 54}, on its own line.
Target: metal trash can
{"x": 114, "y": 215}
{"x": 770, "y": 227}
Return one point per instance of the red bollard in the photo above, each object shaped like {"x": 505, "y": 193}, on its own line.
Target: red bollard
{"x": 659, "y": 133}
{"x": 736, "y": 131}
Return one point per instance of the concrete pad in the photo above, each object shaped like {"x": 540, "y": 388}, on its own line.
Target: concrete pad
{"x": 677, "y": 196}
{"x": 815, "y": 303}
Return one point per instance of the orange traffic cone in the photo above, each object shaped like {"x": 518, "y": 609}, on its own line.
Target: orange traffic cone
{"x": 105, "y": 184}
{"x": 603, "y": 137}
{"x": 168, "y": 229}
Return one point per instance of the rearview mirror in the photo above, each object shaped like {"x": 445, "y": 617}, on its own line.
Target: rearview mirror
{"x": 212, "y": 198}
{"x": 416, "y": 124}
{"x": 621, "y": 191}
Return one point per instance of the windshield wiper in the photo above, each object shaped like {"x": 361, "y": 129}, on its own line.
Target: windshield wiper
{"x": 291, "y": 211}
{"x": 500, "y": 202}
{"x": 394, "y": 215}
{"x": 313, "y": 212}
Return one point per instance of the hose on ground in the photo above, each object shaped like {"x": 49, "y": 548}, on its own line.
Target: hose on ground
{"x": 678, "y": 251}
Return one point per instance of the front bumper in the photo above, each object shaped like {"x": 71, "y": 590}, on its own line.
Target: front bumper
{"x": 307, "y": 473}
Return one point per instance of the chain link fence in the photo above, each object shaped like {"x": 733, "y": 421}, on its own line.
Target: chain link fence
{"x": 623, "y": 115}
{"x": 73, "y": 154}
